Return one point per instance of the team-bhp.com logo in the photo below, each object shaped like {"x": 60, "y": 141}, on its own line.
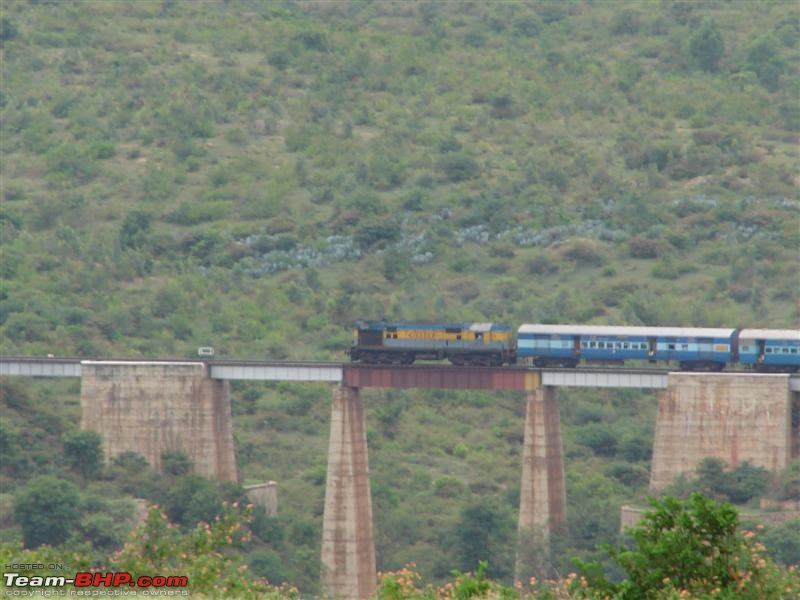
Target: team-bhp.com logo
{"x": 96, "y": 580}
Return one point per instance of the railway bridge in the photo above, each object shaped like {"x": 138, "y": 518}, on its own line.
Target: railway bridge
{"x": 148, "y": 406}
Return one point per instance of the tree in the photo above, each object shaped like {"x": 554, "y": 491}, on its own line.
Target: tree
{"x": 193, "y": 499}
{"x": 707, "y": 46}
{"x": 8, "y": 31}
{"x": 484, "y": 533}
{"x": 46, "y": 509}
{"x": 764, "y": 59}
{"x": 135, "y": 229}
{"x": 599, "y": 439}
{"x": 783, "y": 542}
{"x": 84, "y": 452}
{"x": 209, "y": 556}
{"x": 175, "y": 462}
{"x": 738, "y": 485}
{"x": 692, "y": 545}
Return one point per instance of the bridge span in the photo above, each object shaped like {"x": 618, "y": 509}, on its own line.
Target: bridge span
{"x": 433, "y": 376}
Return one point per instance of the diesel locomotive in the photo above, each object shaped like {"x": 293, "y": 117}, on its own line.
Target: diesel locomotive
{"x": 493, "y": 344}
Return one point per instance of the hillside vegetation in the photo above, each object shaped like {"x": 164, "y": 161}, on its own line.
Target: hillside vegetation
{"x": 254, "y": 176}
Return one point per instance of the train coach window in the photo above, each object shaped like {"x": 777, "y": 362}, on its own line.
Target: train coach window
{"x": 786, "y": 351}
{"x": 601, "y": 344}
{"x": 684, "y": 346}
{"x": 618, "y": 345}
{"x": 592, "y": 344}
{"x": 794, "y": 350}
{"x": 643, "y": 346}
{"x": 626, "y": 345}
{"x": 670, "y": 346}
{"x": 769, "y": 350}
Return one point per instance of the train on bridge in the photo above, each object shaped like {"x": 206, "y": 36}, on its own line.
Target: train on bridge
{"x": 493, "y": 344}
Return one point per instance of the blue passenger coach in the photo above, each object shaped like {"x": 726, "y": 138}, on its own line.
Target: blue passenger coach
{"x": 770, "y": 350}
{"x": 566, "y": 345}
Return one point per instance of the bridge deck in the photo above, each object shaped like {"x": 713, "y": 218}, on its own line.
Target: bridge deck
{"x": 435, "y": 376}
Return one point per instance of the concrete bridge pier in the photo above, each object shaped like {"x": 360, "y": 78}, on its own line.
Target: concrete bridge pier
{"x": 152, "y": 407}
{"x": 543, "y": 500}
{"x": 736, "y": 417}
{"x": 348, "y": 546}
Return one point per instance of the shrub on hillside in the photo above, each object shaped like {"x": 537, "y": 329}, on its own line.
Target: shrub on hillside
{"x": 46, "y": 510}
{"x": 84, "y": 452}
{"x": 459, "y": 167}
{"x": 707, "y": 46}
{"x": 642, "y": 247}
{"x": 687, "y": 549}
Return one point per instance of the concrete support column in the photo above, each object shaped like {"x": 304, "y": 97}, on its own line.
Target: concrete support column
{"x": 736, "y": 417}
{"x": 795, "y": 424}
{"x": 150, "y": 407}
{"x": 348, "y": 547}
{"x": 543, "y": 500}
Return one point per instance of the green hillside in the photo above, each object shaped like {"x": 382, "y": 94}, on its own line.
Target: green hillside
{"x": 254, "y": 176}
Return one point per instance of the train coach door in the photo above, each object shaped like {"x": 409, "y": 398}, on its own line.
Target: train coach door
{"x": 705, "y": 348}
{"x": 576, "y": 346}
{"x": 761, "y": 345}
{"x": 651, "y": 349}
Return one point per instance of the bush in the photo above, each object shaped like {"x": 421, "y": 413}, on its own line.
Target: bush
{"x": 738, "y": 485}
{"x": 8, "y": 31}
{"x": 599, "y": 439}
{"x": 46, "y": 509}
{"x": 641, "y": 247}
{"x": 379, "y": 234}
{"x": 175, "y": 462}
{"x": 71, "y": 162}
{"x": 625, "y": 22}
{"x": 194, "y": 213}
{"x": 541, "y": 264}
{"x": 764, "y": 58}
{"x": 584, "y": 252}
{"x": 192, "y": 500}
{"x": 459, "y": 167}
{"x": 687, "y": 548}
{"x": 102, "y": 149}
{"x": 84, "y": 452}
{"x": 707, "y": 46}
{"x": 135, "y": 229}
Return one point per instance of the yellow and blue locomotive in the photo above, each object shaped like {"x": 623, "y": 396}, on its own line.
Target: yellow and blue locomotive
{"x": 461, "y": 343}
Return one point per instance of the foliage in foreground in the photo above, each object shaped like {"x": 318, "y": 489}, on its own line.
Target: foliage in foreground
{"x": 682, "y": 549}
{"x": 210, "y": 556}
